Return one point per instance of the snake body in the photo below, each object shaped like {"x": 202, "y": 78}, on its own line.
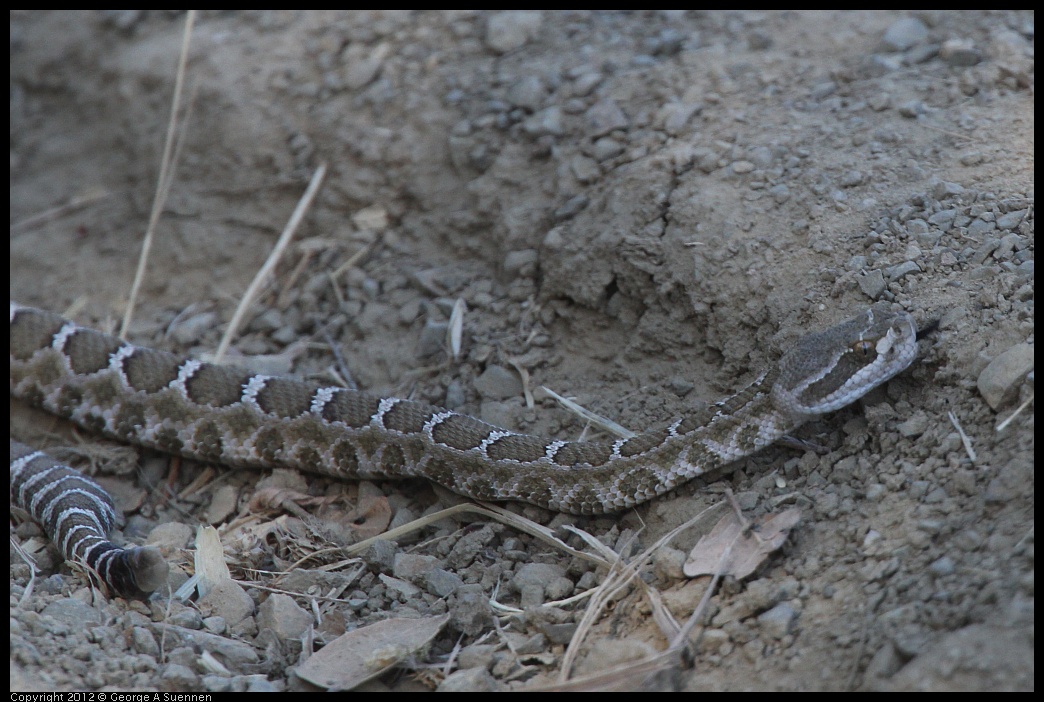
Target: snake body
{"x": 77, "y": 513}
{"x": 222, "y": 414}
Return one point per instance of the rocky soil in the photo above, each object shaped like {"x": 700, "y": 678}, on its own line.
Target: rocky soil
{"x": 640, "y": 211}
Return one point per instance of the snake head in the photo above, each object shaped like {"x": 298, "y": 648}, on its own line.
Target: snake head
{"x": 829, "y": 369}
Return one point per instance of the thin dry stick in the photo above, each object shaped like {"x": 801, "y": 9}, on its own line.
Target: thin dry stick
{"x": 353, "y": 259}
{"x": 485, "y": 509}
{"x": 73, "y": 204}
{"x": 586, "y": 414}
{"x": 964, "y": 437}
{"x": 682, "y": 638}
{"x": 262, "y": 275}
{"x": 1004, "y": 425}
{"x": 632, "y": 676}
{"x": 164, "y": 175}
{"x": 620, "y": 575}
{"x": 33, "y": 570}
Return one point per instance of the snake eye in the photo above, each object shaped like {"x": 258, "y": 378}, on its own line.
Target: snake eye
{"x": 863, "y": 348}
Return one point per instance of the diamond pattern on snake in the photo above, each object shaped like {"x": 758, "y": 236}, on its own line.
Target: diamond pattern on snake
{"x": 221, "y": 414}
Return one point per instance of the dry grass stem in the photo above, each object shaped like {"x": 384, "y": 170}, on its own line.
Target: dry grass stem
{"x": 164, "y": 178}
{"x": 599, "y": 421}
{"x": 269, "y": 265}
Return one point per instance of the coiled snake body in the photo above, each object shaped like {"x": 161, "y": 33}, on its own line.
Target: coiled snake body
{"x": 225, "y": 415}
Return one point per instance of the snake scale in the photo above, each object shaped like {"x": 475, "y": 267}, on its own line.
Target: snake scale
{"x": 225, "y": 415}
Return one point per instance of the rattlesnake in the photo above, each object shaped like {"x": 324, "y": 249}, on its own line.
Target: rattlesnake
{"x": 225, "y": 415}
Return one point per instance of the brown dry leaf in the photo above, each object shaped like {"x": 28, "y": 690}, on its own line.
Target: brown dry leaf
{"x": 369, "y": 518}
{"x": 748, "y": 549}
{"x": 363, "y": 654}
{"x": 278, "y": 498}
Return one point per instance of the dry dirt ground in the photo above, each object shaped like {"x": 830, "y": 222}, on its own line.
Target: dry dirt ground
{"x": 640, "y": 210}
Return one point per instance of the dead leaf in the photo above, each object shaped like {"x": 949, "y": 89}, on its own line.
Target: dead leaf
{"x": 210, "y": 560}
{"x": 350, "y": 660}
{"x": 746, "y": 550}
{"x": 370, "y": 518}
{"x": 276, "y": 498}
